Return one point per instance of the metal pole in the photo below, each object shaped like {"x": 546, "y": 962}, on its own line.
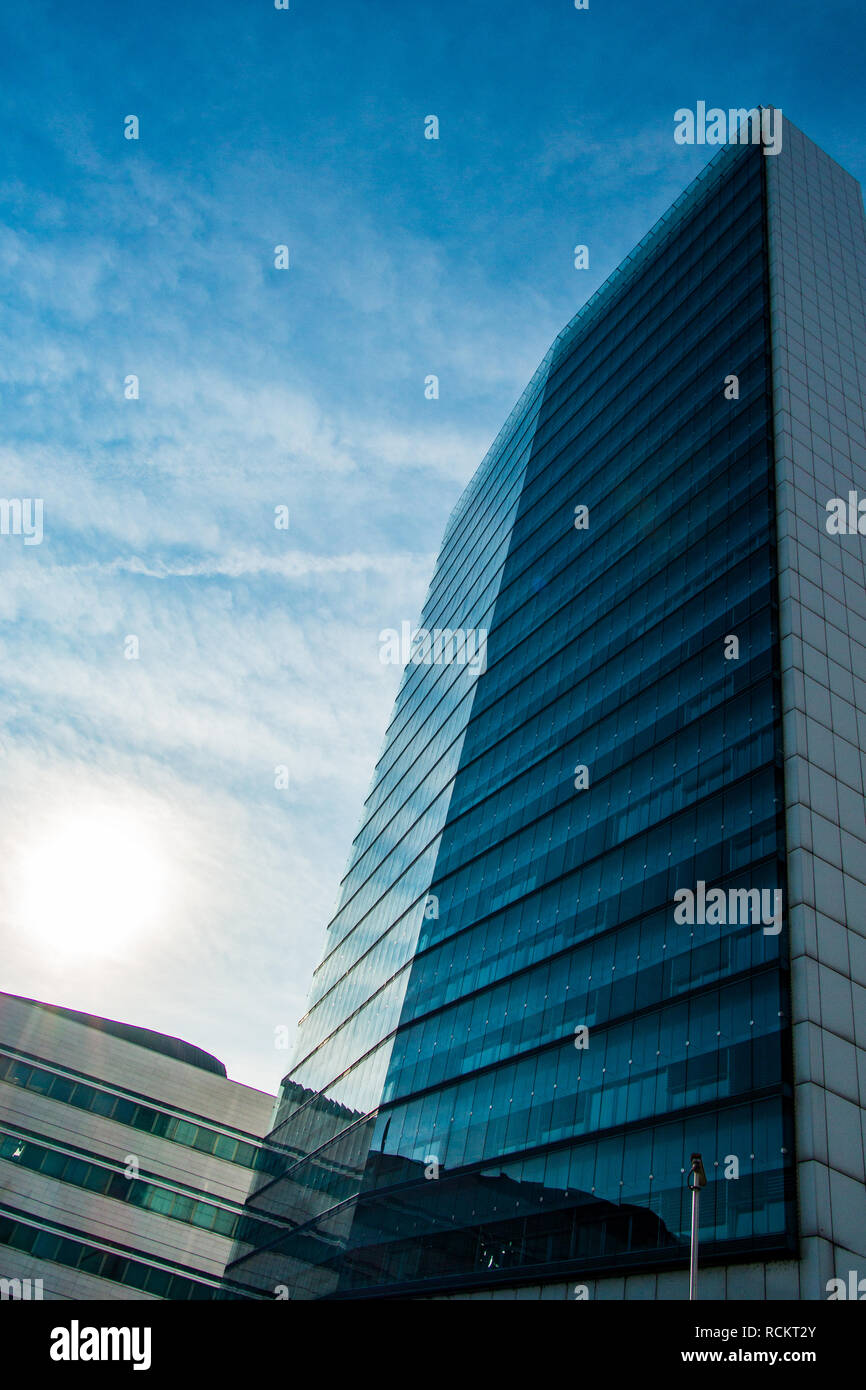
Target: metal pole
{"x": 697, "y": 1179}
{"x": 693, "y": 1263}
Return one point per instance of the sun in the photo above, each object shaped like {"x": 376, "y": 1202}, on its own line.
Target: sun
{"x": 90, "y": 882}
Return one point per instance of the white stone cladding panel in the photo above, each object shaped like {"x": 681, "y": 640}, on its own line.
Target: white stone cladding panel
{"x": 817, "y": 235}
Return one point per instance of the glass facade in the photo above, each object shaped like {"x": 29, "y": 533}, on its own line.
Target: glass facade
{"x": 72, "y": 1165}
{"x": 20, "y": 1232}
{"x": 512, "y": 1047}
{"x": 126, "y": 1109}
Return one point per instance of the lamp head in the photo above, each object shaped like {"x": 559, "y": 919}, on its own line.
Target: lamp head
{"x": 697, "y": 1175}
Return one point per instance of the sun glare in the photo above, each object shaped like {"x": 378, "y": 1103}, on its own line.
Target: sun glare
{"x": 90, "y": 884}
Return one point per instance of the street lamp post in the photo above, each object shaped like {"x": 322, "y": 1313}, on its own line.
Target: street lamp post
{"x": 696, "y": 1179}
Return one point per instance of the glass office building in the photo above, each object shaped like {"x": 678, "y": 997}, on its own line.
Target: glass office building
{"x": 125, "y": 1160}
{"x": 516, "y": 1038}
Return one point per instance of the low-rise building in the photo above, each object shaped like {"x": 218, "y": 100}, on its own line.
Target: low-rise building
{"x": 125, "y": 1159}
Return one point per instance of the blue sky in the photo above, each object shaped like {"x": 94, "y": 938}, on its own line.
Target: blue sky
{"x": 305, "y": 388}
